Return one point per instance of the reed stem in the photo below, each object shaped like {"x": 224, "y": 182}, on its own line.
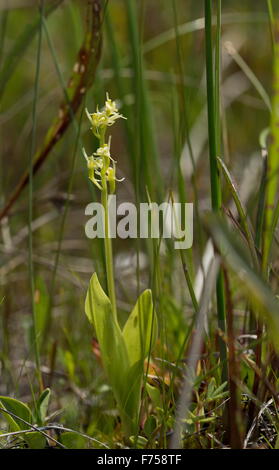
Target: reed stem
{"x": 213, "y": 122}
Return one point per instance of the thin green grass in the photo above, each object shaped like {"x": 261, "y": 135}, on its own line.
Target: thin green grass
{"x": 216, "y": 199}
{"x": 30, "y": 203}
{"x": 271, "y": 21}
{"x": 272, "y": 165}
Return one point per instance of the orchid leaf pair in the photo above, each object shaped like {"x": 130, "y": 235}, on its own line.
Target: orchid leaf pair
{"x": 124, "y": 350}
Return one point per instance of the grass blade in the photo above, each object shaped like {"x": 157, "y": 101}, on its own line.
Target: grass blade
{"x": 241, "y": 212}
{"x": 216, "y": 200}
{"x": 272, "y": 162}
{"x": 30, "y": 203}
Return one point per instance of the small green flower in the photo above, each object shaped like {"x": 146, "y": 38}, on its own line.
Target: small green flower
{"x": 103, "y": 152}
{"x": 94, "y": 166}
{"x": 99, "y": 164}
{"x": 111, "y": 178}
{"x": 110, "y": 106}
{"x": 100, "y": 120}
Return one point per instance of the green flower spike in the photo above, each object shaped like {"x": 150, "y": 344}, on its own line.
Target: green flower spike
{"x": 99, "y": 164}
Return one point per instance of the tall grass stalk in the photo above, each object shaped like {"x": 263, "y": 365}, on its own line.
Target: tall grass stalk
{"x": 271, "y": 21}
{"x": 218, "y": 76}
{"x": 216, "y": 199}
{"x": 272, "y": 162}
{"x": 271, "y": 190}
{"x": 30, "y": 201}
{"x": 3, "y": 29}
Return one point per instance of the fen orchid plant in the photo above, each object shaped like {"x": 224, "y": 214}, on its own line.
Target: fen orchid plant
{"x": 124, "y": 350}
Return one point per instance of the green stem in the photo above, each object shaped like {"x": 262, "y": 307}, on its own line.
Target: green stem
{"x": 107, "y": 240}
{"x": 271, "y": 22}
{"x": 214, "y": 176}
{"x": 218, "y": 77}
{"x": 272, "y": 164}
{"x": 216, "y": 199}
{"x": 189, "y": 281}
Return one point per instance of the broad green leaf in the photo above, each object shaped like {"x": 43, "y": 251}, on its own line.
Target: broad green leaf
{"x": 73, "y": 441}
{"x": 113, "y": 349}
{"x": 140, "y": 334}
{"x": 35, "y": 440}
{"x": 129, "y": 404}
{"x": 99, "y": 312}
{"x": 139, "y": 441}
{"x": 43, "y": 404}
{"x": 150, "y": 425}
{"x": 247, "y": 374}
{"x": 140, "y": 330}
{"x": 155, "y": 395}
{"x": 19, "y": 409}
{"x": 123, "y": 353}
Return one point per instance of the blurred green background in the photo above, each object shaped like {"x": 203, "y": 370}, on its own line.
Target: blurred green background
{"x": 156, "y": 71}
